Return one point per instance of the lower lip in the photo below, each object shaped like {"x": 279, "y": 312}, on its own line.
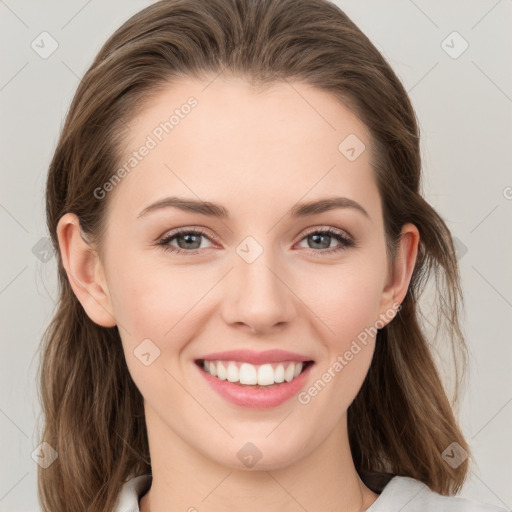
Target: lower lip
{"x": 256, "y": 397}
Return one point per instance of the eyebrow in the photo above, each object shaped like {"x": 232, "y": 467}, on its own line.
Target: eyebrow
{"x": 216, "y": 210}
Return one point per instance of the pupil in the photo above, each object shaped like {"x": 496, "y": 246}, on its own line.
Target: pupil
{"x": 315, "y": 237}
{"x": 189, "y": 238}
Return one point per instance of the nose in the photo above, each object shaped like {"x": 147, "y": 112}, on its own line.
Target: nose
{"x": 260, "y": 295}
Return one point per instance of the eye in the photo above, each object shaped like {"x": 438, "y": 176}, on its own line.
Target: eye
{"x": 188, "y": 240}
{"x": 322, "y": 238}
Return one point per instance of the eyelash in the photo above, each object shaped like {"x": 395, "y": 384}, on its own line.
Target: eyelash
{"x": 345, "y": 242}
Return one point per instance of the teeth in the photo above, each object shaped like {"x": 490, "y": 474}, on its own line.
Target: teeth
{"x": 249, "y": 374}
{"x": 265, "y": 375}
{"x": 221, "y": 370}
{"x": 288, "y": 374}
{"x": 279, "y": 373}
{"x": 233, "y": 373}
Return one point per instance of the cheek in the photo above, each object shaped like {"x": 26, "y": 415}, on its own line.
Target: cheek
{"x": 157, "y": 301}
{"x": 156, "y": 308}
{"x": 349, "y": 345}
{"x": 345, "y": 300}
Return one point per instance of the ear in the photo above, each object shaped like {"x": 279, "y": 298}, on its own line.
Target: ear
{"x": 85, "y": 271}
{"x": 400, "y": 273}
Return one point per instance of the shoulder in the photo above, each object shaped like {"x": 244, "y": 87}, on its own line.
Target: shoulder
{"x": 132, "y": 491}
{"x": 410, "y": 495}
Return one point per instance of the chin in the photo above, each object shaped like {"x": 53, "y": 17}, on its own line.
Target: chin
{"x": 257, "y": 454}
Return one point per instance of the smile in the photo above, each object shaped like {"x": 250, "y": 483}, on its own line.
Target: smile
{"x": 248, "y": 374}
{"x": 255, "y": 396}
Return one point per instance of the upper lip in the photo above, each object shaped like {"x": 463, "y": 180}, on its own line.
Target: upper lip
{"x": 250, "y": 356}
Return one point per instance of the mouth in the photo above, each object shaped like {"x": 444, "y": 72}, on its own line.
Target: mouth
{"x": 247, "y": 375}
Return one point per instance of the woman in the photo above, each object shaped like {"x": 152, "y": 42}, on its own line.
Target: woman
{"x": 242, "y": 245}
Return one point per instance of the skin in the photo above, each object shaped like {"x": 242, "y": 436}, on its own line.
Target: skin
{"x": 257, "y": 153}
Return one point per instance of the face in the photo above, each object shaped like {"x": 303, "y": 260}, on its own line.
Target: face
{"x": 270, "y": 281}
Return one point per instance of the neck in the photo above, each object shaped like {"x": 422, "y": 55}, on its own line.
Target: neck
{"x": 184, "y": 479}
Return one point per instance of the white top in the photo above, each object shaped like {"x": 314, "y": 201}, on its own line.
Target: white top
{"x": 402, "y": 493}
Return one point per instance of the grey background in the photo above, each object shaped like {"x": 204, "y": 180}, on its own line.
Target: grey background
{"x": 463, "y": 105}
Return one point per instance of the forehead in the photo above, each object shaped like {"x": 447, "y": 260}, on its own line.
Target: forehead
{"x": 226, "y": 141}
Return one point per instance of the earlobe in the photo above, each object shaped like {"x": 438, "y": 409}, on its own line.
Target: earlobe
{"x": 85, "y": 272}
{"x": 402, "y": 269}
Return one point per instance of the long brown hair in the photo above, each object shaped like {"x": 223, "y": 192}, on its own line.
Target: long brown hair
{"x": 401, "y": 421}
